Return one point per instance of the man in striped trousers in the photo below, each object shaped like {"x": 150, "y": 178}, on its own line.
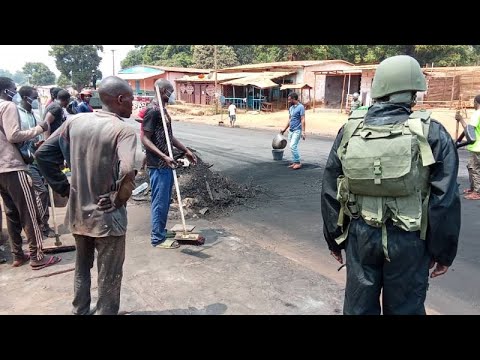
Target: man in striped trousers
{"x": 16, "y": 186}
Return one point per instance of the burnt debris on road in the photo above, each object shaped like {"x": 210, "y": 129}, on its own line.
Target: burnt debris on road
{"x": 205, "y": 193}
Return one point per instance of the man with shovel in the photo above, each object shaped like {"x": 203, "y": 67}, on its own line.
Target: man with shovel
{"x": 100, "y": 149}
{"x": 160, "y": 164}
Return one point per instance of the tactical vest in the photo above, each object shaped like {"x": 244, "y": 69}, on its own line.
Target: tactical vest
{"x": 386, "y": 174}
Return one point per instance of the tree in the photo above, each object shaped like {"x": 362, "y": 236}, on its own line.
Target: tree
{"x": 63, "y": 81}
{"x": 6, "y": 73}
{"x": 162, "y": 55}
{"x": 38, "y": 73}
{"x": 245, "y": 53}
{"x": 76, "y": 62}
{"x": 203, "y": 56}
{"x": 134, "y": 57}
{"x": 183, "y": 55}
{"x": 446, "y": 55}
{"x": 176, "y": 55}
{"x": 268, "y": 53}
{"x": 20, "y": 78}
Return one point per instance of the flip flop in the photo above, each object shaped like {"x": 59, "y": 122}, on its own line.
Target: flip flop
{"x": 168, "y": 244}
{"x": 51, "y": 261}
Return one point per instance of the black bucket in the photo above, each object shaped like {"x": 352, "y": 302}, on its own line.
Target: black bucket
{"x": 277, "y": 154}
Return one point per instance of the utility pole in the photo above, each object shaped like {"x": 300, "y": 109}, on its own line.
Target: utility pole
{"x": 113, "y": 60}
{"x": 217, "y": 98}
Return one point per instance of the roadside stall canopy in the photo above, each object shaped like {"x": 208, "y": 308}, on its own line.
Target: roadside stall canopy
{"x": 295, "y": 86}
{"x": 260, "y": 80}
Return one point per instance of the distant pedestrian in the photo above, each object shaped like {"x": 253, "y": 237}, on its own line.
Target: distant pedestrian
{"x": 232, "y": 113}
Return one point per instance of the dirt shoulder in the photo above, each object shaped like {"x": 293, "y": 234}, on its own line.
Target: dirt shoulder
{"x": 321, "y": 122}
{"x": 228, "y": 275}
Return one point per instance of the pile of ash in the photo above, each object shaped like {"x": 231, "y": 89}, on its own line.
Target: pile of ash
{"x": 204, "y": 192}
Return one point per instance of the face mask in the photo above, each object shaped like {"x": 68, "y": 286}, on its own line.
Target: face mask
{"x": 16, "y": 98}
{"x": 171, "y": 98}
{"x": 33, "y": 104}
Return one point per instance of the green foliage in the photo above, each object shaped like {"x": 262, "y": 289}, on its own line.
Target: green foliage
{"x": 202, "y": 55}
{"x": 76, "y": 62}
{"x": 38, "y": 73}
{"x": 63, "y": 81}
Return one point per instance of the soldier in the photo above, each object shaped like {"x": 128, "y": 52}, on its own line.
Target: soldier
{"x": 396, "y": 208}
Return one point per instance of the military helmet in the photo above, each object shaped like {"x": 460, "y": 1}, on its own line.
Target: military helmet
{"x": 396, "y": 74}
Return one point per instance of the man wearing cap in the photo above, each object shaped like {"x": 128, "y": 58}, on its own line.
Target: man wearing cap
{"x": 84, "y": 105}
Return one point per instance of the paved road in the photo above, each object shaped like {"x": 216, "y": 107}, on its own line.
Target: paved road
{"x": 287, "y": 219}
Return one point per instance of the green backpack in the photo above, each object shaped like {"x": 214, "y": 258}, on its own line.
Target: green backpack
{"x": 386, "y": 173}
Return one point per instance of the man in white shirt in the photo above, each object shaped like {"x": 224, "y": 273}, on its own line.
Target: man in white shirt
{"x": 232, "y": 109}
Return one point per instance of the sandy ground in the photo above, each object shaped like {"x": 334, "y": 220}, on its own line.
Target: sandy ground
{"x": 231, "y": 274}
{"x": 321, "y": 122}
{"x": 228, "y": 275}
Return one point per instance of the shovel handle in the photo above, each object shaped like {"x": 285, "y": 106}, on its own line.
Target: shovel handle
{"x": 52, "y": 204}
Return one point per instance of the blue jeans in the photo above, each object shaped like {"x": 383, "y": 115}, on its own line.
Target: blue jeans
{"x": 161, "y": 182}
{"x": 293, "y": 139}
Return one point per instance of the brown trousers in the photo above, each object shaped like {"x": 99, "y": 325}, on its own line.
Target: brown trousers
{"x": 111, "y": 254}
{"x": 16, "y": 189}
{"x": 473, "y": 167}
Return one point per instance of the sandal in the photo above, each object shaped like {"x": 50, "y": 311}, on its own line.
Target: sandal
{"x": 170, "y": 234}
{"x": 52, "y": 260}
{"x": 168, "y": 244}
{"x": 472, "y": 196}
{"x": 20, "y": 262}
{"x": 467, "y": 191}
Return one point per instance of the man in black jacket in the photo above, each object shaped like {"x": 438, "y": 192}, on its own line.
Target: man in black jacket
{"x": 397, "y": 267}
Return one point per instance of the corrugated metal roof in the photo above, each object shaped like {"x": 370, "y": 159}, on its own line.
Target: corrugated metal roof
{"x": 139, "y": 76}
{"x": 261, "y": 80}
{"x": 147, "y": 68}
{"x": 283, "y": 64}
{"x": 211, "y": 77}
{"x": 180, "y": 69}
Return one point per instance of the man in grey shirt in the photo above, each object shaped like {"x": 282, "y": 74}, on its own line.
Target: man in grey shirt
{"x": 100, "y": 149}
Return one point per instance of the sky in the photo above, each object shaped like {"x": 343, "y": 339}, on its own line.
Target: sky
{"x": 13, "y": 57}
